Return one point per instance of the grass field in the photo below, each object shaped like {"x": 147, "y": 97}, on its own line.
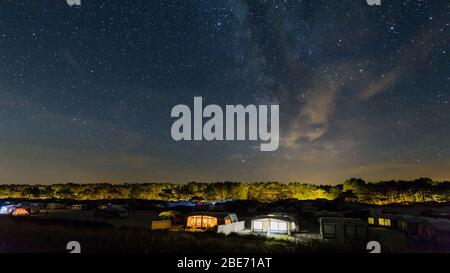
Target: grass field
{"x": 29, "y": 234}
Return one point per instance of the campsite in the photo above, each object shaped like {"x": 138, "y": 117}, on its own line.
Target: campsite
{"x": 226, "y": 226}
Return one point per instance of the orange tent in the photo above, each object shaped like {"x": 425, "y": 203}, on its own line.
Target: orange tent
{"x": 20, "y": 212}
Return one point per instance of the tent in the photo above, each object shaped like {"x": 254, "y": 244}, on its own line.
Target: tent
{"x": 274, "y": 223}
{"x": 20, "y": 212}
{"x": 343, "y": 228}
{"x": 170, "y": 214}
{"x": 168, "y": 220}
{"x": 209, "y": 220}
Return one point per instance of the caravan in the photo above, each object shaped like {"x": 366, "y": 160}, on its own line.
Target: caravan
{"x": 343, "y": 228}
{"x": 274, "y": 223}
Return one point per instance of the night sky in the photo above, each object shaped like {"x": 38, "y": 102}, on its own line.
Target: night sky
{"x": 86, "y": 91}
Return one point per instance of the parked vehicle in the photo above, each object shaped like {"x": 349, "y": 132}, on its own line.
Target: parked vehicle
{"x": 343, "y": 228}
{"x": 54, "y": 206}
{"x": 78, "y": 207}
{"x": 111, "y": 211}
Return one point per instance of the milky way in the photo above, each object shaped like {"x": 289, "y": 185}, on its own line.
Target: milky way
{"x": 86, "y": 91}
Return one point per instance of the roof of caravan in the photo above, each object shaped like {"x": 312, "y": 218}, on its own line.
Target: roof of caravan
{"x": 277, "y": 215}
{"x": 390, "y": 215}
{"x": 340, "y": 220}
{"x": 212, "y": 213}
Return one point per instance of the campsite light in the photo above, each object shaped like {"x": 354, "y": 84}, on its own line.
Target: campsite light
{"x": 4, "y": 210}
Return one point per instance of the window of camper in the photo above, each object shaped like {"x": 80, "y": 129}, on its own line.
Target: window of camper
{"x": 273, "y": 225}
{"x": 257, "y": 225}
{"x": 371, "y": 221}
{"x": 384, "y": 222}
{"x": 278, "y": 226}
{"x": 329, "y": 230}
{"x": 194, "y": 222}
{"x": 282, "y": 226}
{"x": 350, "y": 231}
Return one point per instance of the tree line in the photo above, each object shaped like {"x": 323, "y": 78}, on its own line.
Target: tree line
{"x": 384, "y": 192}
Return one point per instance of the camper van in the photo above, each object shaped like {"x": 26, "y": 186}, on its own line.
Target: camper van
{"x": 343, "y": 228}
{"x": 54, "y": 206}
{"x": 111, "y": 211}
{"x": 78, "y": 207}
{"x": 274, "y": 223}
{"x": 436, "y": 230}
{"x": 431, "y": 229}
{"x": 389, "y": 221}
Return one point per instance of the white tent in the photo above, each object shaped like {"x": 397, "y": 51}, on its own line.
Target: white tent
{"x": 275, "y": 223}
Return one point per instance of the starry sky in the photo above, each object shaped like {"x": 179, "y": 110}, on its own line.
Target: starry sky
{"x": 86, "y": 91}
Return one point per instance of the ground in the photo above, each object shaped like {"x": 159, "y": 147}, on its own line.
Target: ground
{"x": 52, "y": 230}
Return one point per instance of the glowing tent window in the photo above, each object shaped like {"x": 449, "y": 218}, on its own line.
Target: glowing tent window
{"x": 371, "y": 221}
{"x": 282, "y": 226}
{"x": 278, "y": 226}
{"x": 209, "y": 222}
{"x": 257, "y": 225}
{"x": 273, "y": 226}
{"x": 200, "y": 221}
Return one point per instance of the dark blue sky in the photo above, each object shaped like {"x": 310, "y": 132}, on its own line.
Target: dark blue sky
{"x": 86, "y": 91}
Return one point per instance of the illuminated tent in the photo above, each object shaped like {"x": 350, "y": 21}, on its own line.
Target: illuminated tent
{"x": 274, "y": 223}
{"x": 209, "y": 220}
{"x": 20, "y": 212}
